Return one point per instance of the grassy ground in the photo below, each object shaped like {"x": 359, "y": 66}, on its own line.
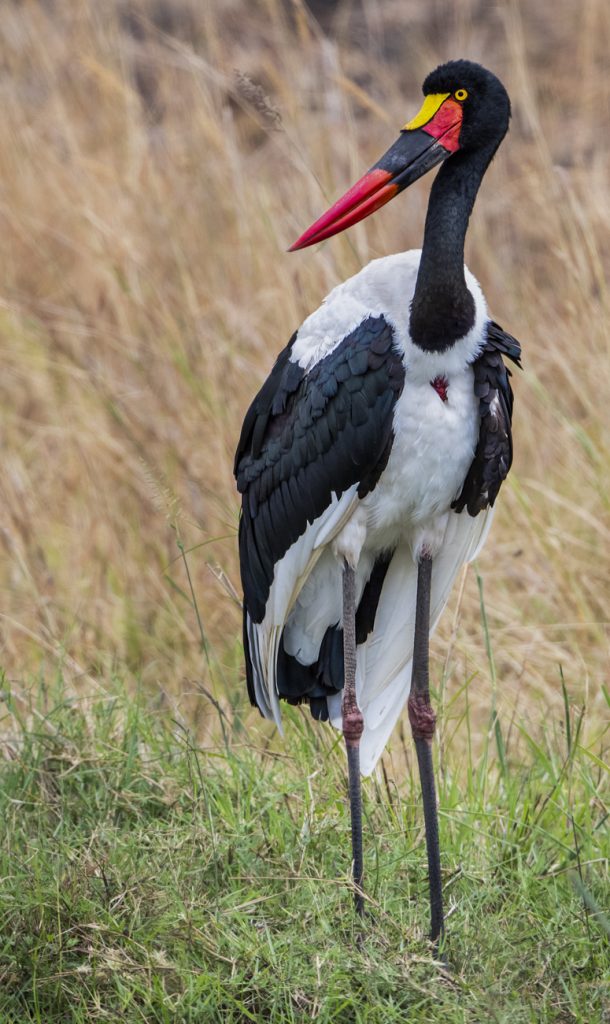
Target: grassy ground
{"x": 147, "y": 879}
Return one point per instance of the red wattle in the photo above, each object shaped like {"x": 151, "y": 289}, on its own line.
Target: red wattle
{"x": 440, "y": 385}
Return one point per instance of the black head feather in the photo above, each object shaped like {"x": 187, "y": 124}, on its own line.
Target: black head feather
{"x": 486, "y": 108}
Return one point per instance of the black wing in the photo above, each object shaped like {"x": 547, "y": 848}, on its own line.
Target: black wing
{"x": 307, "y": 436}
{"x": 494, "y": 451}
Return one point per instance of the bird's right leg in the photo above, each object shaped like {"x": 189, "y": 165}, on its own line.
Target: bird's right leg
{"x": 423, "y": 724}
{"x": 353, "y": 726}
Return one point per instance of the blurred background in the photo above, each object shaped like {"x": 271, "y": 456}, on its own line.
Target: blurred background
{"x": 156, "y": 160}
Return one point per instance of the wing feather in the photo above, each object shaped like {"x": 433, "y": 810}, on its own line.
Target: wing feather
{"x": 307, "y": 436}
{"x": 494, "y": 452}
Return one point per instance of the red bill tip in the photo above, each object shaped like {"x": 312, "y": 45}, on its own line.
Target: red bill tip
{"x": 367, "y": 195}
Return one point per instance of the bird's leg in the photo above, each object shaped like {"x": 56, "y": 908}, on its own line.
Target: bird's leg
{"x": 353, "y": 725}
{"x": 423, "y": 724}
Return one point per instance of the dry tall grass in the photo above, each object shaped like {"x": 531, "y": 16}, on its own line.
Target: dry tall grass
{"x": 148, "y": 192}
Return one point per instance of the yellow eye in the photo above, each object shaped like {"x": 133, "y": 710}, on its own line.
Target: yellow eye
{"x": 461, "y": 95}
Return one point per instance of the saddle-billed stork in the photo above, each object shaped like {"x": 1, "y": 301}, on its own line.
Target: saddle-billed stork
{"x": 370, "y": 460}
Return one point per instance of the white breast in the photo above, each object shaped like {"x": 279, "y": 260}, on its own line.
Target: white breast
{"x": 434, "y": 442}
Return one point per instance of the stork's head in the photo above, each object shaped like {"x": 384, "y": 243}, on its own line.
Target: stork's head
{"x": 465, "y": 109}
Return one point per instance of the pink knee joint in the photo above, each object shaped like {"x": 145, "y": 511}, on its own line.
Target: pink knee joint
{"x": 421, "y": 717}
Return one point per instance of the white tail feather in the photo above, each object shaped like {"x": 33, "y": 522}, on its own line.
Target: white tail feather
{"x": 383, "y": 675}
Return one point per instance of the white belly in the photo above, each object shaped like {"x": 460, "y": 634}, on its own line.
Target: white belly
{"x": 434, "y": 443}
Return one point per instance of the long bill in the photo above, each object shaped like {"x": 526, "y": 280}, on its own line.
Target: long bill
{"x": 424, "y": 142}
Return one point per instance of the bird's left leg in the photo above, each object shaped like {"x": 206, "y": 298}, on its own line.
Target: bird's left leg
{"x": 353, "y": 726}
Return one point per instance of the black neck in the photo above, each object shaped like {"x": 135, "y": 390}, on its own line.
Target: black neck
{"x": 443, "y": 309}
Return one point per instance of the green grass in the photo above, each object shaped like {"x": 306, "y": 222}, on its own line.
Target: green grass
{"x": 146, "y": 879}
